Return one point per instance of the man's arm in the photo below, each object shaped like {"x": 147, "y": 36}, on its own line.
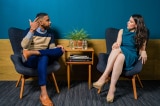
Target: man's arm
{"x": 29, "y": 33}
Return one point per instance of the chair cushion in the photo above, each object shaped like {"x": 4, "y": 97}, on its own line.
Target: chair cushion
{"x": 137, "y": 69}
{"x": 22, "y": 69}
{"x": 102, "y": 61}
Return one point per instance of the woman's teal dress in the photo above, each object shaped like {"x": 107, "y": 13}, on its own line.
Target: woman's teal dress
{"x": 129, "y": 49}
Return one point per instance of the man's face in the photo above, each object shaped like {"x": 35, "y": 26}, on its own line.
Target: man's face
{"x": 45, "y": 22}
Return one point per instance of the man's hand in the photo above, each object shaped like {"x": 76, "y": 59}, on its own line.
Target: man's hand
{"x": 61, "y": 47}
{"x": 34, "y": 25}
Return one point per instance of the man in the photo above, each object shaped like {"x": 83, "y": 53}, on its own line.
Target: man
{"x": 39, "y": 50}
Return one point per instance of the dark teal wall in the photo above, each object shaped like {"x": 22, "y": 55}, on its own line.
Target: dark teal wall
{"x": 92, "y": 15}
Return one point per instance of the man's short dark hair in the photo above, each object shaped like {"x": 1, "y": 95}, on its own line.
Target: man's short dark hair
{"x": 41, "y": 15}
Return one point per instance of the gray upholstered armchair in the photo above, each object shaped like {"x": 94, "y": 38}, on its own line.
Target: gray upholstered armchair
{"x": 111, "y": 37}
{"x": 15, "y": 37}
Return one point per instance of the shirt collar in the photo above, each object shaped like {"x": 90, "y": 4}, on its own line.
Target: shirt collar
{"x": 40, "y": 31}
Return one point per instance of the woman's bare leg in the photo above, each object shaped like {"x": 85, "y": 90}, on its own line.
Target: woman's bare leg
{"x": 112, "y": 57}
{"x": 117, "y": 70}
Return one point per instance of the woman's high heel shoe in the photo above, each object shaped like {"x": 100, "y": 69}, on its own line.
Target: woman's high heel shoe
{"x": 99, "y": 86}
{"x": 110, "y": 98}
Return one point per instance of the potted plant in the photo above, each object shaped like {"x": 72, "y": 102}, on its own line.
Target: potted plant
{"x": 77, "y": 36}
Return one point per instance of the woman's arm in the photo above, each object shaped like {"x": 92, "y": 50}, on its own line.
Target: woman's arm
{"x": 119, "y": 40}
{"x": 143, "y": 54}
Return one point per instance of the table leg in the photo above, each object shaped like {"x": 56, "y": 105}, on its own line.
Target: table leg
{"x": 89, "y": 76}
{"x": 68, "y": 75}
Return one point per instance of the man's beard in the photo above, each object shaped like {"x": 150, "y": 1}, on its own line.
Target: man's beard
{"x": 45, "y": 27}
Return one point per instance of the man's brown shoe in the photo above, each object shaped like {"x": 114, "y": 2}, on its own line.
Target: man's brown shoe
{"x": 46, "y": 102}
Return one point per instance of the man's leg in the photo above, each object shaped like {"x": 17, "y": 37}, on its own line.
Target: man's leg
{"x": 42, "y": 76}
{"x": 56, "y": 52}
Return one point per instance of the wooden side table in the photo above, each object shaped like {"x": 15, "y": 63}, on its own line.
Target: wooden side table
{"x": 69, "y": 51}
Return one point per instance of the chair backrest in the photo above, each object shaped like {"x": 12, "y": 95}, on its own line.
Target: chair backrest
{"x": 111, "y": 37}
{"x": 15, "y": 37}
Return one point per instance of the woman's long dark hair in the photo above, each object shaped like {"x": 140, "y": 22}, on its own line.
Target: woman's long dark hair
{"x": 141, "y": 31}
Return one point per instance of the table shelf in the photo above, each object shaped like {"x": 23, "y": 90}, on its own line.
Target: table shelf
{"x": 68, "y": 52}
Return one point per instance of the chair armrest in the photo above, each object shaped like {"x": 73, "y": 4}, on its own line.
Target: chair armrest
{"x": 20, "y": 67}
{"x": 102, "y": 61}
{"x": 16, "y": 59}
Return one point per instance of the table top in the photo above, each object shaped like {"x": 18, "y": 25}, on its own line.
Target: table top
{"x": 89, "y": 49}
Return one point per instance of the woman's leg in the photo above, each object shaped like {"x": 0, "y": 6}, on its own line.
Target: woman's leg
{"x": 112, "y": 57}
{"x": 116, "y": 72}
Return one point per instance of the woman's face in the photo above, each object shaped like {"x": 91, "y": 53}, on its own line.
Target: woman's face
{"x": 131, "y": 25}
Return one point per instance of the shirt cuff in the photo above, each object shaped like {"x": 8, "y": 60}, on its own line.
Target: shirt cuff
{"x": 29, "y": 35}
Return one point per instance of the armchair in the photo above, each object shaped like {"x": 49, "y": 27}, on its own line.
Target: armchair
{"x": 111, "y": 37}
{"x": 15, "y": 37}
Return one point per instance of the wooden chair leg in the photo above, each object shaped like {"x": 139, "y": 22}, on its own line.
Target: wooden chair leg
{"x": 134, "y": 87}
{"x": 55, "y": 83}
{"x": 18, "y": 80}
{"x": 99, "y": 91}
{"x": 139, "y": 80}
{"x": 50, "y": 78}
{"x": 22, "y": 86}
{"x": 89, "y": 76}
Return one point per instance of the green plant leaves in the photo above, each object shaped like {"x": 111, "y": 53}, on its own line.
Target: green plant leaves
{"x": 77, "y": 34}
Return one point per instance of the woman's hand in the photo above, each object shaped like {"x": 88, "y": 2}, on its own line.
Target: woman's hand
{"x": 143, "y": 56}
{"x": 115, "y": 45}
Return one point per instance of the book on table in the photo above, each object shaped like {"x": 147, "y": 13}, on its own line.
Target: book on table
{"x": 78, "y": 58}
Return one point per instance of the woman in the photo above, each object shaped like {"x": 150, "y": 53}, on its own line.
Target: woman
{"x": 129, "y": 47}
